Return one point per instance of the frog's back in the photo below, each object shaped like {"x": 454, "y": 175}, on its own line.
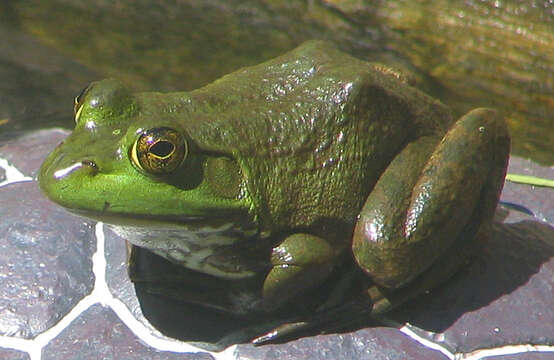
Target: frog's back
{"x": 312, "y": 129}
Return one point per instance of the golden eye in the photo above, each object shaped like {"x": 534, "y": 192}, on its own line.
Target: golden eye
{"x": 159, "y": 151}
{"x": 78, "y": 103}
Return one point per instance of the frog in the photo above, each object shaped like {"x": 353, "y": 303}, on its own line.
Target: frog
{"x": 282, "y": 172}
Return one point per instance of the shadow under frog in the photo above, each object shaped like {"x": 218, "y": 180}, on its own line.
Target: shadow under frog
{"x": 513, "y": 254}
{"x": 185, "y": 314}
{"x": 176, "y": 315}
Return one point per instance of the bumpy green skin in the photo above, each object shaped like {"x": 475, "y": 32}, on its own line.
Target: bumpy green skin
{"x": 301, "y": 154}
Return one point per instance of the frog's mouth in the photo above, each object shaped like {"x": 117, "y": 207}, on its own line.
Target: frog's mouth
{"x": 121, "y": 218}
{"x": 107, "y": 215}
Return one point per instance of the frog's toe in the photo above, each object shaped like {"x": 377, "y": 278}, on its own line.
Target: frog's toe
{"x": 300, "y": 262}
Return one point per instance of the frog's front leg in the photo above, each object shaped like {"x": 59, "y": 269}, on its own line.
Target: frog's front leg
{"x": 300, "y": 262}
{"x": 429, "y": 206}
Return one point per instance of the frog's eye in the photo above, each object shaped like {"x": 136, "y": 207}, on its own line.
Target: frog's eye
{"x": 159, "y": 151}
{"x": 78, "y": 103}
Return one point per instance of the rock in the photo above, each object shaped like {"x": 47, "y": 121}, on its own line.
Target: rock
{"x": 45, "y": 261}
{"x": 107, "y": 338}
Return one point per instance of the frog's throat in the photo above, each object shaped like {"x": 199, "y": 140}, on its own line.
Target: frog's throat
{"x": 213, "y": 250}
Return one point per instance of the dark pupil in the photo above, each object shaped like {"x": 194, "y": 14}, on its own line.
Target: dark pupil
{"x": 162, "y": 148}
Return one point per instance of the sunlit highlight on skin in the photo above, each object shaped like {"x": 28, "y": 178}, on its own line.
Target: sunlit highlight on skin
{"x": 64, "y": 172}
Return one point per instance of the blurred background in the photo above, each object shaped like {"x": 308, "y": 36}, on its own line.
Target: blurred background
{"x": 466, "y": 53}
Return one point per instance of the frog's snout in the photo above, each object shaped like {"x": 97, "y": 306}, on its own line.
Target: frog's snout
{"x": 58, "y": 179}
{"x": 55, "y": 172}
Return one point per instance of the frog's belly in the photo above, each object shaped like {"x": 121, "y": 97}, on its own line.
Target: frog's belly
{"x": 217, "y": 251}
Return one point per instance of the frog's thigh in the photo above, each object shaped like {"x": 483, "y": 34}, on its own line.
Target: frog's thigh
{"x": 418, "y": 208}
{"x": 300, "y": 262}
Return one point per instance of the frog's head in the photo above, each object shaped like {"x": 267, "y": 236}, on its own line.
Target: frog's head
{"x": 129, "y": 162}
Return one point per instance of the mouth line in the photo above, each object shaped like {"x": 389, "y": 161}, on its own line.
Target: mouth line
{"x": 121, "y": 218}
{"x": 172, "y": 220}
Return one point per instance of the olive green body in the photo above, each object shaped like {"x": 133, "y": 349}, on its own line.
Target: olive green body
{"x": 277, "y": 171}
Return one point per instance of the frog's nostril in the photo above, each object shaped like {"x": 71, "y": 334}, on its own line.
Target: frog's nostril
{"x": 90, "y": 164}
{"x": 89, "y": 167}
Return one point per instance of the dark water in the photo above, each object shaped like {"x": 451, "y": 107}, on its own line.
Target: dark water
{"x": 49, "y": 50}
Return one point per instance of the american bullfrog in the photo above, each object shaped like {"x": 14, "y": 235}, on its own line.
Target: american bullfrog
{"x": 283, "y": 172}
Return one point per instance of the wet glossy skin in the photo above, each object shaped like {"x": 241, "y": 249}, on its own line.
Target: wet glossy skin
{"x": 283, "y": 170}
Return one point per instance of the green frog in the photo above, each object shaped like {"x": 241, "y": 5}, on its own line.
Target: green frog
{"x": 283, "y": 172}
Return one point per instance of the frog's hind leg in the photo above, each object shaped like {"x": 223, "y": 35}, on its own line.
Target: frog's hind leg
{"x": 430, "y": 204}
